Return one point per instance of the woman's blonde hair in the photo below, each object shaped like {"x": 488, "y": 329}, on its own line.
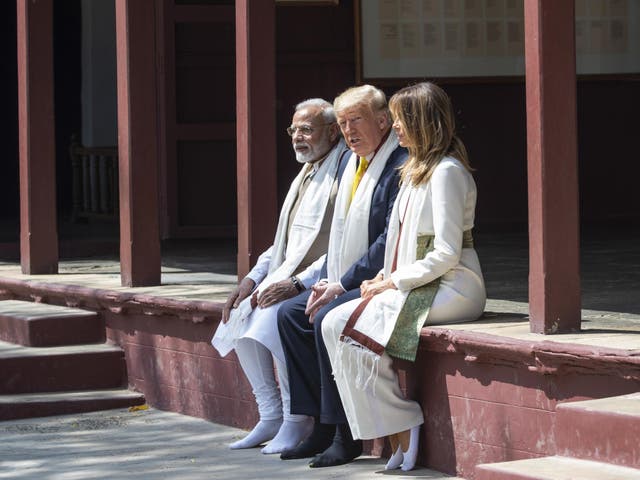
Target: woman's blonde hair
{"x": 426, "y": 113}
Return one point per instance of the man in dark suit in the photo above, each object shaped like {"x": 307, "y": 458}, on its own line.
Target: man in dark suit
{"x": 356, "y": 253}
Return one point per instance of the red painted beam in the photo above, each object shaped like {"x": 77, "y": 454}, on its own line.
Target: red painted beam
{"x": 255, "y": 129}
{"x": 138, "y": 143}
{"x": 554, "y": 242}
{"x": 38, "y": 229}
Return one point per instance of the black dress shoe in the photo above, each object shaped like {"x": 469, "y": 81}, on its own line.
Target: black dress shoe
{"x": 343, "y": 449}
{"x": 335, "y": 455}
{"x": 319, "y": 440}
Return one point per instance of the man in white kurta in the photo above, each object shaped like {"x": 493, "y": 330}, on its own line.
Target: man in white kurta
{"x": 249, "y": 317}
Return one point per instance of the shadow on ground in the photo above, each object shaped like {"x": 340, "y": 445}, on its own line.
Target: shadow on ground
{"x": 151, "y": 444}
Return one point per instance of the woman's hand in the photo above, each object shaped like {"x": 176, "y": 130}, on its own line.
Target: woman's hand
{"x": 376, "y": 279}
{"x": 369, "y": 288}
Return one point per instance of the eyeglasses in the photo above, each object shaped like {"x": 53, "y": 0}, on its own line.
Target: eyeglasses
{"x": 305, "y": 130}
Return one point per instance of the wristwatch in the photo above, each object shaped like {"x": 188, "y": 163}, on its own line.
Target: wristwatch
{"x": 297, "y": 283}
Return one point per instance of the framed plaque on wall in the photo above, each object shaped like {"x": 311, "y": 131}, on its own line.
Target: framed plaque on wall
{"x": 410, "y": 39}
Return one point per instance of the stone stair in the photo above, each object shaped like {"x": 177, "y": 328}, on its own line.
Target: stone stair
{"x": 595, "y": 440}
{"x": 41, "y": 325}
{"x": 53, "y": 361}
{"x": 555, "y": 468}
{"x": 604, "y": 430}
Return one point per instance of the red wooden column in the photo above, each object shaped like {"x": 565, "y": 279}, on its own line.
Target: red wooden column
{"x": 255, "y": 129}
{"x": 38, "y": 229}
{"x": 554, "y": 243}
{"x": 137, "y": 143}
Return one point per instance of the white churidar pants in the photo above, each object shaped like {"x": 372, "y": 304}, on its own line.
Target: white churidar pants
{"x": 257, "y": 349}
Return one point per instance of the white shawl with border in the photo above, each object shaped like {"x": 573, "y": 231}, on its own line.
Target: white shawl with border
{"x": 376, "y": 322}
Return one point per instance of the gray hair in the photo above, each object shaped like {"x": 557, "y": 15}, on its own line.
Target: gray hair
{"x": 326, "y": 109}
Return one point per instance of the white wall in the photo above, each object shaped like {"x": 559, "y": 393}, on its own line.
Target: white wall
{"x": 99, "y": 95}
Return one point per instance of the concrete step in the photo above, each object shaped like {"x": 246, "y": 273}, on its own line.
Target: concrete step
{"x": 53, "y": 369}
{"x": 41, "y": 325}
{"x": 61, "y": 403}
{"x": 604, "y": 430}
{"x": 554, "y": 468}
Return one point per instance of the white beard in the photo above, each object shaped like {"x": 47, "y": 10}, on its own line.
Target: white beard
{"x": 307, "y": 157}
{"x": 311, "y": 155}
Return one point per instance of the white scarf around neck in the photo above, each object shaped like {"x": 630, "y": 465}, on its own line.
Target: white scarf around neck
{"x": 349, "y": 239}
{"x": 292, "y": 243}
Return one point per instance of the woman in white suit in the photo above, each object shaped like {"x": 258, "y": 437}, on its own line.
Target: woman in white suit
{"x": 431, "y": 275}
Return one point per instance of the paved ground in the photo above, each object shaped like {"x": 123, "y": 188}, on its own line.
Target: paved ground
{"x": 150, "y": 445}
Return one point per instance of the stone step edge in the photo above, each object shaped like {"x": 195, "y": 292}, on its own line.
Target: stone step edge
{"x": 556, "y": 468}
{"x": 53, "y": 330}
{"x": 14, "y": 350}
{"x": 107, "y": 393}
{"x": 21, "y": 406}
{"x": 116, "y": 301}
{"x": 625, "y": 405}
{"x": 601, "y": 430}
{"x": 43, "y": 310}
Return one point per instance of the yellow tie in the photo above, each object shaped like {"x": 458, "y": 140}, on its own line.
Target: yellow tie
{"x": 362, "y": 167}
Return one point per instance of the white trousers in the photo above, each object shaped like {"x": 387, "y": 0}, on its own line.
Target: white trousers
{"x": 380, "y": 409}
{"x": 257, "y": 363}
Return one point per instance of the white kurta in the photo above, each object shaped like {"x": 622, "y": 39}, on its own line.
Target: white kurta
{"x": 291, "y": 245}
{"x": 444, "y": 208}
